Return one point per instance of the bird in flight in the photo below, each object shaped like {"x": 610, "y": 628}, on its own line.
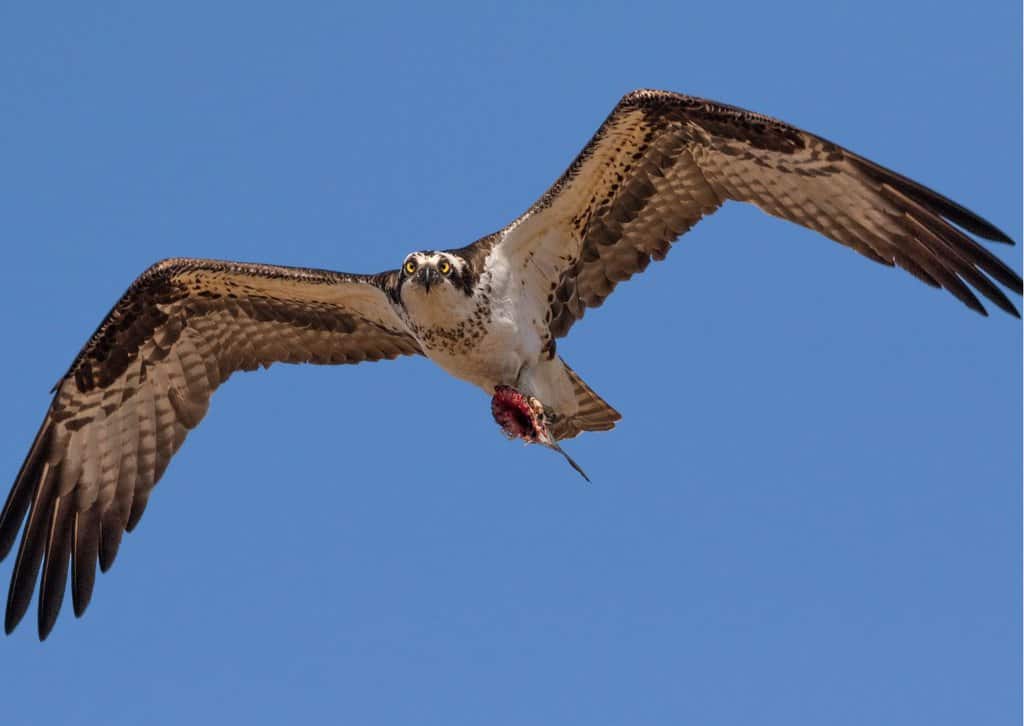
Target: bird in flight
{"x": 489, "y": 313}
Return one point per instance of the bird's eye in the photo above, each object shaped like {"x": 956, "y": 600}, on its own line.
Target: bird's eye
{"x": 410, "y": 267}
{"x": 444, "y": 267}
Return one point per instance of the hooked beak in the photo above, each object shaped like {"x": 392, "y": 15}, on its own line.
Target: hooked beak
{"x": 427, "y": 277}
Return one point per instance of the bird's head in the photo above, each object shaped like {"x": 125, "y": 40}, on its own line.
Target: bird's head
{"x": 436, "y": 275}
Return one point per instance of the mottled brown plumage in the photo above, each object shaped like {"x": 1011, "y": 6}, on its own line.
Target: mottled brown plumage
{"x": 145, "y": 379}
{"x": 663, "y": 161}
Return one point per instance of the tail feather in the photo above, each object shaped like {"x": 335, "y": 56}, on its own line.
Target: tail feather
{"x": 592, "y": 414}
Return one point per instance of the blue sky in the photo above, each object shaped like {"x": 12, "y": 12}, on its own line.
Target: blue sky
{"x": 810, "y": 513}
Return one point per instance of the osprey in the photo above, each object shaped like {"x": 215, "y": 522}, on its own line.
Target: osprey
{"x": 489, "y": 313}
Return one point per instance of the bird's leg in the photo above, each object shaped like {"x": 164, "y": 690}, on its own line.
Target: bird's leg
{"x": 525, "y": 417}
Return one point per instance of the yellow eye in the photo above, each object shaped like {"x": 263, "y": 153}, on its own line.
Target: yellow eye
{"x": 410, "y": 267}
{"x": 444, "y": 267}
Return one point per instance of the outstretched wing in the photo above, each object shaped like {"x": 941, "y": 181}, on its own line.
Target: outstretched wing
{"x": 145, "y": 378}
{"x": 663, "y": 161}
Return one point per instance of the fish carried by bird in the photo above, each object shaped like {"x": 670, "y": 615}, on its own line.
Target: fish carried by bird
{"x": 526, "y": 418}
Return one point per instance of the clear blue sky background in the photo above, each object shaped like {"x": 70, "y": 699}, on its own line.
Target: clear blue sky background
{"x": 810, "y": 514}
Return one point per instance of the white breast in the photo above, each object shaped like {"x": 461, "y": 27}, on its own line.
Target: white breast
{"x": 486, "y": 339}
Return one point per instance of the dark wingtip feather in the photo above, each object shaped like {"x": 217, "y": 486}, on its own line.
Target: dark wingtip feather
{"x": 951, "y": 257}
{"x": 971, "y": 301}
{"x": 138, "y": 508}
{"x": 111, "y": 532}
{"x": 964, "y": 217}
{"x": 997, "y": 235}
{"x": 55, "y": 566}
{"x": 83, "y": 559}
{"x": 1001, "y": 301}
{"x": 30, "y": 552}
{"x": 25, "y": 485}
{"x": 940, "y": 204}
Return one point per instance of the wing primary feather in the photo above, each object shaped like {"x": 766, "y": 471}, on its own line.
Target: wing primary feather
{"x": 111, "y": 531}
{"x": 954, "y": 251}
{"x": 937, "y": 203}
{"x": 30, "y": 552}
{"x": 990, "y": 263}
{"x": 947, "y": 278}
{"x": 138, "y": 507}
{"x": 55, "y": 565}
{"x": 25, "y": 485}
{"x": 957, "y": 241}
{"x": 966, "y": 269}
{"x": 83, "y": 559}
{"x": 916, "y": 270}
